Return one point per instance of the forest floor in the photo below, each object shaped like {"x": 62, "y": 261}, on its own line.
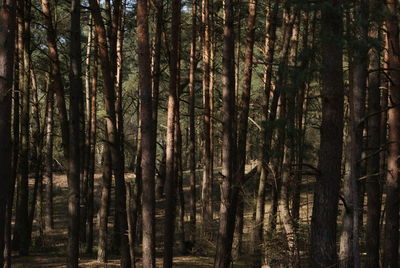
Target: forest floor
{"x": 49, "y": 249}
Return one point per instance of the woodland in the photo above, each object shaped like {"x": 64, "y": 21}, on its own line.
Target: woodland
{"x": 199, "y": 133}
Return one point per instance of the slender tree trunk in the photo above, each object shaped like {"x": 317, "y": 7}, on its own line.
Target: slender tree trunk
{"x": 357, "y": 110}
{"x": 391, "y": 239}
{"x": 21, "y": 234}
{"x": 192, "y": 123}
{"x": 113, "y": 137}
{"x": 7, "y": 45}
{"x": 92, "y": 144}
{"x": 258, "y": 232}
{"x": 170, "y": 189}
{"x": 147, "y": 135}
{"x": 228, "y": 203}
{"x": 15, "y": 152}
{"x": 74, "y": 167}
{"x": 156, "y": 74}
{"x": 55, "y": 74}
{"x": 373, "y": 187}
{"x": 37, "y": 155}
{"x": 323, "y": 225}
{"x": 206, "y": 194}
{"x": 102, "y": 254}
{"x": 49, "y": 219}
{"x": 244, "y": 114}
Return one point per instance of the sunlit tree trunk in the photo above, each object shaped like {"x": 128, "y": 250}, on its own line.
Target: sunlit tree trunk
{"x": 170, "y": 188}
{"x": 391, "y": 239}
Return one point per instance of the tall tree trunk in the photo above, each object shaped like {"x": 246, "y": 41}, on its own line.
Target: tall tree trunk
{"x": 21, "y": 234}
{"x": 192, "y": 123}
{"x": 206, "y": 192}
{"x": 323, "y": 225}
{"x": 148, "y": 144}
{"x": 113, "y": 137}
{"x": 7, "y": 45}
{"x": 228, "y": 202}
{"x": 258, "y": 232}
{"x": 156, "y": 75}
{"x": 244, "y": 114}
{"x": 15, "y": 157}
{"x": 92, "y": 144}
{"x": 74, "y": 167}
{"x": 391, "y": 239}
{"x": 170, "y": 189}
{"x": 373, "y": 187}
{"x": 357, "y": 110}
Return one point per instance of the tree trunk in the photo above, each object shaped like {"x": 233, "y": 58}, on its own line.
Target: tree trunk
{"x": 21, "y": 231}
{"x": 258, "y": 232}
{"x": 74, "y": 167}
{"x": 170, "y": 189}
{"x": 92, "y": 144}
{"x": 147, "y": 134}
{"x": 113, "y": 137}
{"x": 391, "y": 239}
{"x": 49, "y": 219}
{"x": 102, "y": 254}
{"x": 244, "y": 114}
{"x": 323, "y": 225}
{"x": 228, "y": 203}
{"x": 192, "y": 123}
{"x": 206, "y": 192}
{"x": 357, "y": 110}
{"x": 373, "y": 187}
{"x": 7, "y": 45}
{"x": 55, "y": 74}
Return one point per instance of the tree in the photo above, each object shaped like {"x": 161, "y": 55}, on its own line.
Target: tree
{"x": 323, "y": 225}
{"x": 373, "y": 187}
{"x": 228, "y": 203}
{"x": 113, "y": 137}
{"x": 192, "y": 130}
{"x": 147, "y": 133}
{"x": 170, "y": 182}
{"x": 7, "y": 45}
{"x": 74, "y": 130}
{"x": 390, "y": 242}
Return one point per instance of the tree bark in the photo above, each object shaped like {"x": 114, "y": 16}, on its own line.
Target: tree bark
{"x": 323, "y": 225}
{"x": 170, "y": 188}
{"x": 391, "y": 239}
{"x": 74, "y": 166}
{"x": 206, "y": 191}
{"x": 102, "y": 254}
{"x": 7, "y": 45}
{"x": 228, "y": 202}
{"x": 269, "y": 51}
{"x": 192, "y": 123}
{"x": 55, "y": 74}
{"x": 147, "y": 134}
{"x": 113, "y": 137}
{"x": 21, "y": 230}
{"x": 373, "y": 187}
